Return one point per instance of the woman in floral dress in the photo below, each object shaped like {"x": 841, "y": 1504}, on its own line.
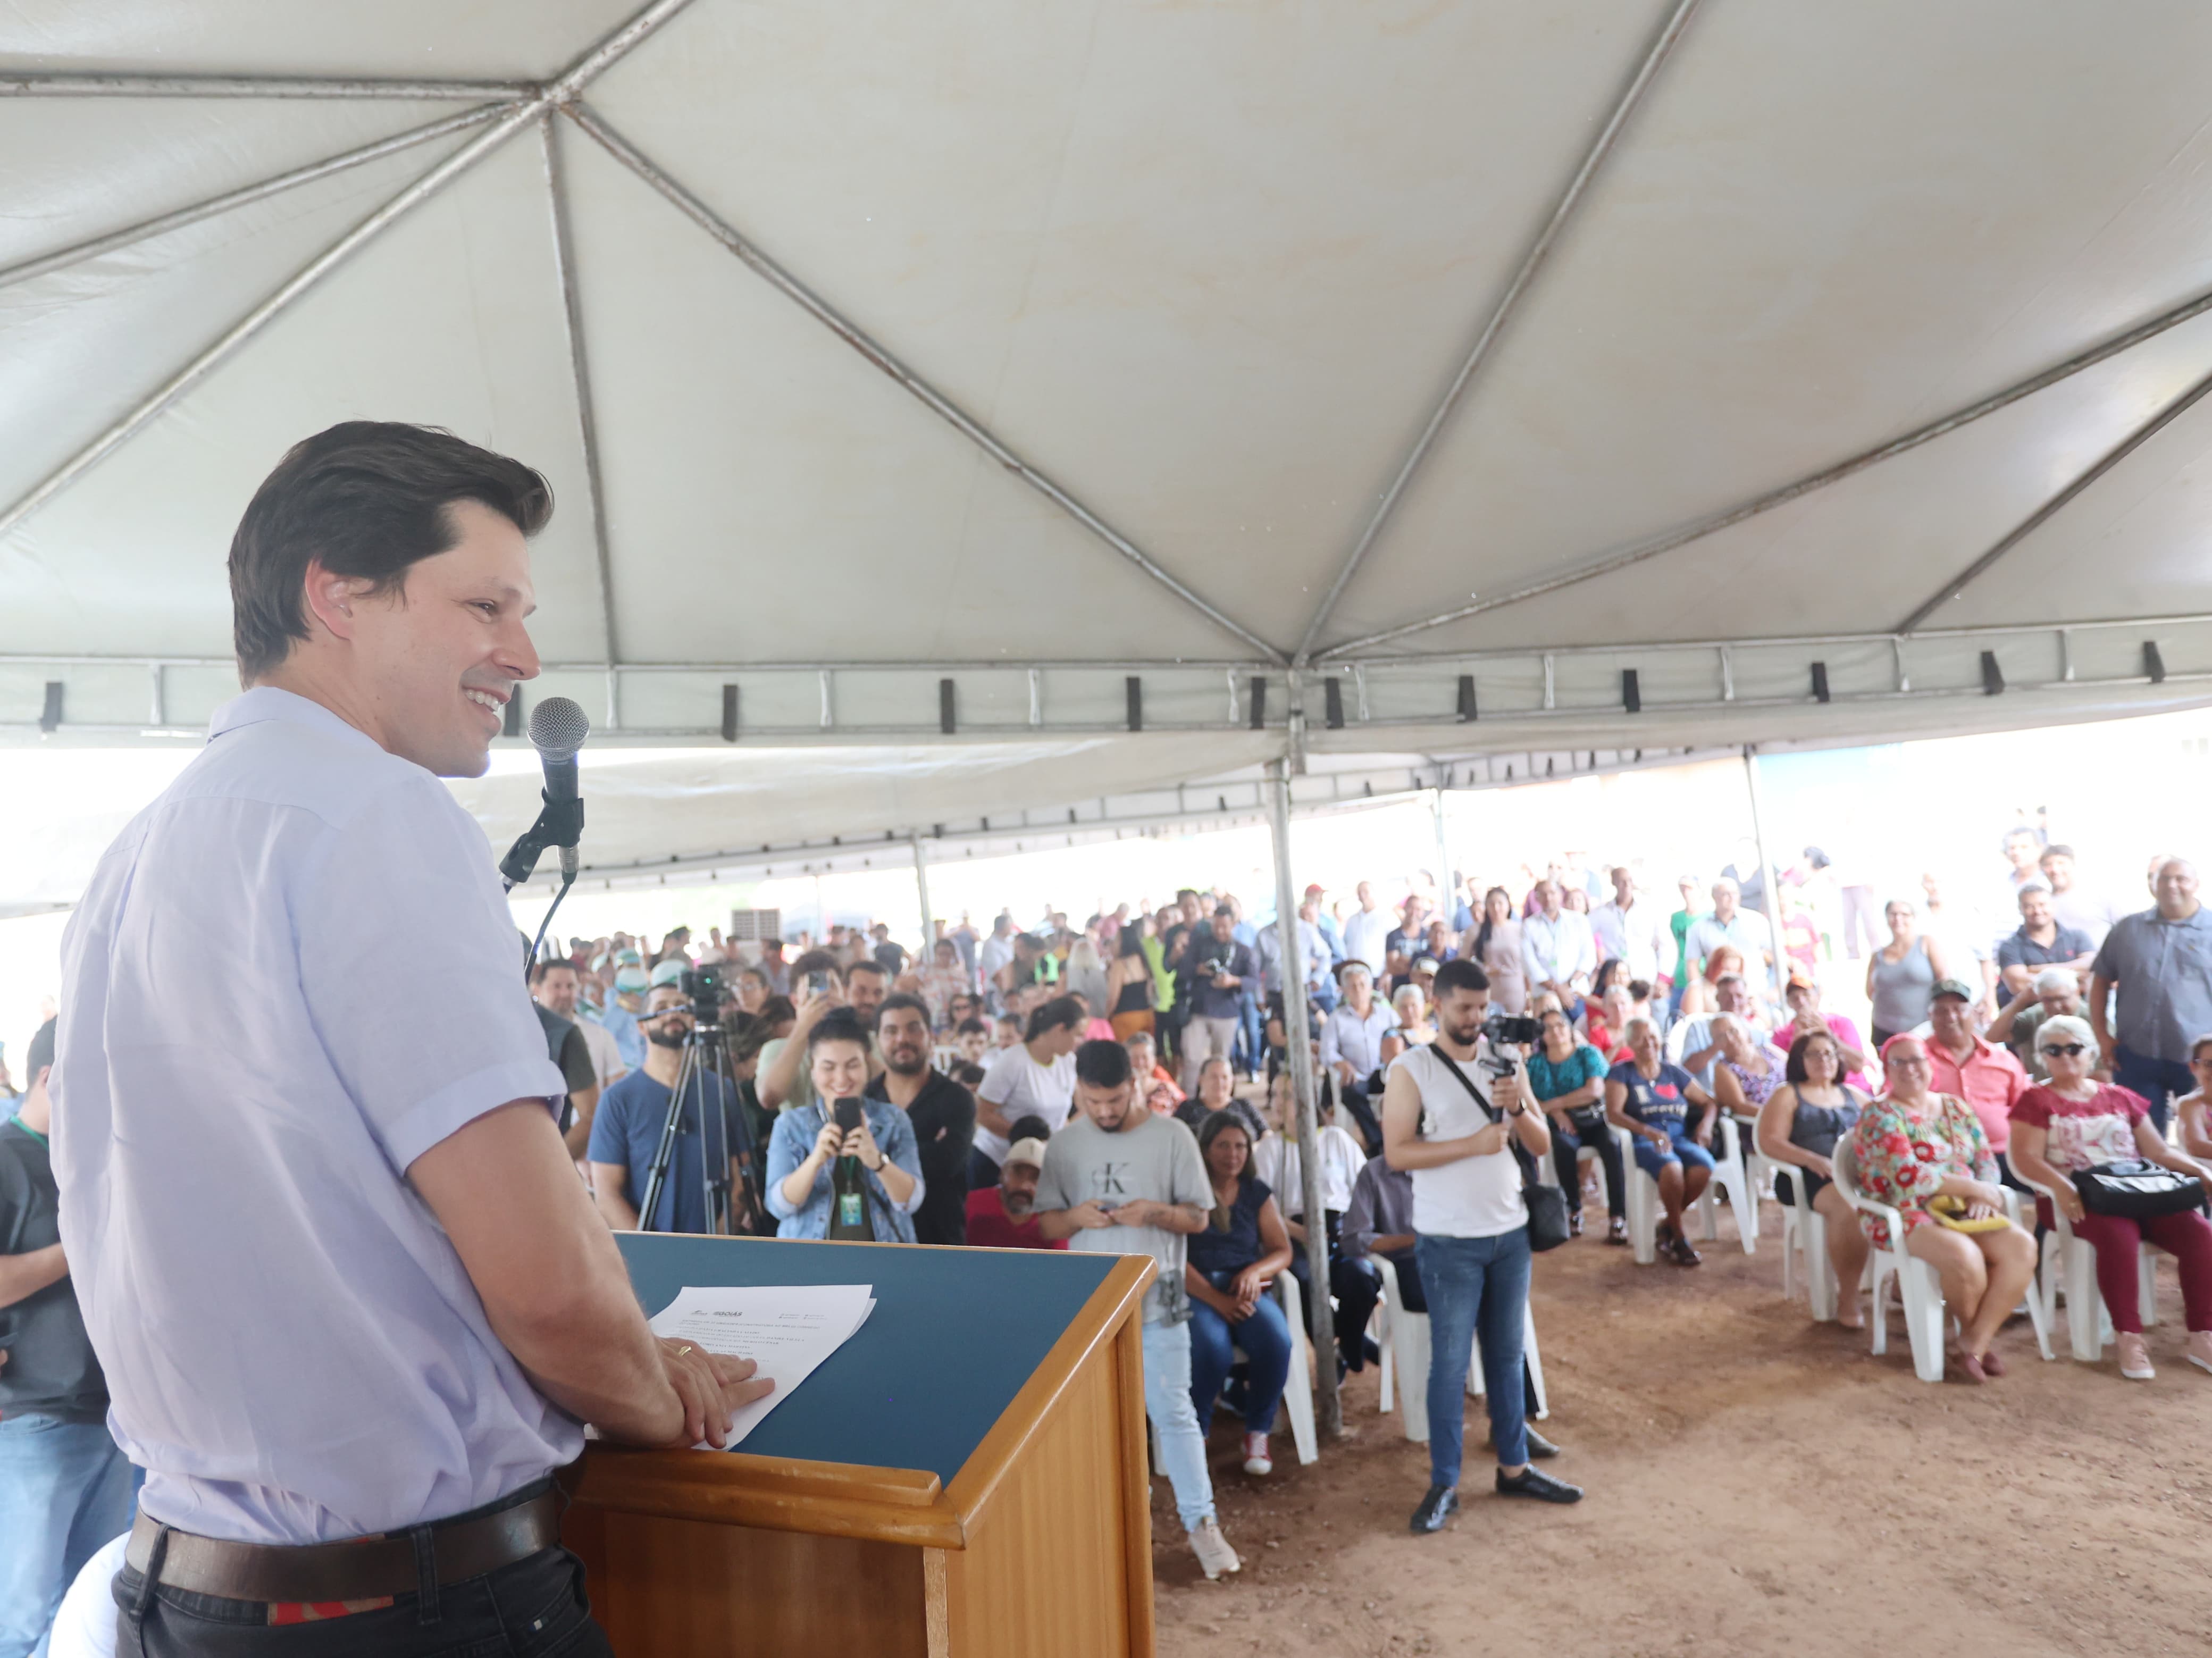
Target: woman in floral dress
{"x": 1910, "y": 1146}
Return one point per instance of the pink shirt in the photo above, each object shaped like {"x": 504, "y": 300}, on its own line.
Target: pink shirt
{"x": 1846, "y": 1035}
{"x": 1991, "y": 1080}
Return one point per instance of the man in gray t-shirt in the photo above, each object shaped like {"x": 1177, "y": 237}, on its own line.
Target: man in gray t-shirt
{"x": 1120, "y": 1180}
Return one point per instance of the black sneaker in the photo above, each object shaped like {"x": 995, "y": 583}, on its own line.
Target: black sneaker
{"x": 1575, "y": 1223}
{"x": 1540, "y": 1448}
{"x": 1439, "y": 1506}
{"x": 1533, "y": 1482}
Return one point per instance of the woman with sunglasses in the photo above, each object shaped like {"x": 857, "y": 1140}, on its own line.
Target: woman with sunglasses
{"x": 2074, "y": 1122}
{"x": 1912, "y": 1147}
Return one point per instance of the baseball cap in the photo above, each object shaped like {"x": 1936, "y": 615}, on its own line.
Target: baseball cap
{"x": 1951, "y": 987}
{"x": 629, "y": 979}
{"x": 669, "y": 972}
{"x": 1029, "y": 1152}
{"x": 629, "y": 958}
{"x": 1425, "y": 964}
{"x": 1800, "y": 978}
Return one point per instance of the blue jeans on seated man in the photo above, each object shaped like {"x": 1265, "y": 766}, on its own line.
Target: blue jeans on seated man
{"x": 66, "y": 1489}
{"x": 1476, "y": 1287}
{"x": 2155, "y": 1079}
{"x": 534, "y": 1607}
{"x": 1264, "y": 1339}
{"x": 1175, "y": 1421}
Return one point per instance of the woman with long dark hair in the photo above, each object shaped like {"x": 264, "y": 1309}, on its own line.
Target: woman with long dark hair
{"x": 1494, "y": 945}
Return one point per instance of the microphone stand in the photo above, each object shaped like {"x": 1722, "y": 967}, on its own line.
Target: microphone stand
{"x": 559, "y": 824}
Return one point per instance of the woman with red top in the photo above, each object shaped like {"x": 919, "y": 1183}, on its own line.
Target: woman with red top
{"x": 2074, "y": 1122}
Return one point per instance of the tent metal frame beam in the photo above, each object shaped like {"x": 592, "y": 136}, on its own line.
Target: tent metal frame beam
{"x": 145, "y": 229}
{"x": 1698, "y": 529}
{"x": 592, "y": 63}
{"x": 587, "y": 422}
{"x": 20, "y": 83}
{"x": 2164, "y": 417}
{"x": 1524, "y": 277}
{"x": 750, "y": 254}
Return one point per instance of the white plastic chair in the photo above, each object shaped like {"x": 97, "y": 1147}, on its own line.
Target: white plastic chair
{"x": 1298, "y": 1390}
{"x": 2069, "y": 1264}
{"x": 944, "y": 1056}
{"x": 1378, "y": 1327}
{"x": 1474, "y": 1381}
{"x": 1408, "y": 1354}
{"x": 1920, "y": 1289}
{"x": 1806, "y": 1229}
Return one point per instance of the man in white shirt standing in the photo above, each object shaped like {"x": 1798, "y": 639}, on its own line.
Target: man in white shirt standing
{"x": 1452, "y": 1122}
{"x": 1557, "y": 953}
{"x": 1633, "y": 930}
{"x": 1365, "y": 930}
{"x": 1730, "y": 924}
{"x": 339, "y": 1271}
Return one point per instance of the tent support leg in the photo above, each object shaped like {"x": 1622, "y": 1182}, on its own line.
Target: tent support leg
{"x": 1767, "y": 871}
{"x": 1298, "y": 1036}
{"x": 922, "y": 891}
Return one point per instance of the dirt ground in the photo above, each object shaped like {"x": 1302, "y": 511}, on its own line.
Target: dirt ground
{"x": 1757, "y": 1484}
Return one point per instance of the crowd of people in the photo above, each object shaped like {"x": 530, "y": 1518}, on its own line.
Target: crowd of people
{"x": 1122, "y": 1084}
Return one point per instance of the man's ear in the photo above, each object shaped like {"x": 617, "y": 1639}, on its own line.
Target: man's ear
{"x": 331, "y": 600}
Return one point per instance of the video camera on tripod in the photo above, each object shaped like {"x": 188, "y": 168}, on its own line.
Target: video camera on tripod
{"x": 704, "y": 985}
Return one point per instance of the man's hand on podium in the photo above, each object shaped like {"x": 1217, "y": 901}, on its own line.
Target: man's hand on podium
{"x": 710, "y": 1386}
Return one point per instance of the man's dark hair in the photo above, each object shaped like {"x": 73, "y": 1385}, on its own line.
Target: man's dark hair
{"x": 812, "y": 961}
{"x": 973, "y": 1026}
{"x": 554, "y": 964}
{"x": 755, "y": 973}
{"x": 40, "y": 1054}
{"x": 1031, "y": 1127}
{"x": 1102, "y": 1064}
{"x": 2058, "y": 849}
{"x": 969, "y": 1075}
{"x": 1061, "y": 1011}
{"x": 368, "y": 499}
{"x": 1220, "y": 910}
{"x": 776, "y": 1009}
{"x": 839, "y": 1024}
{"x": 902, "y": 998}
{"x": 868, "y": 964}
{"x": 1460, "y": 974}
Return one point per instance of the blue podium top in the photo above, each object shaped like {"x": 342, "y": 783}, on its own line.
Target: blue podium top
{"x": 955, "y": 1335}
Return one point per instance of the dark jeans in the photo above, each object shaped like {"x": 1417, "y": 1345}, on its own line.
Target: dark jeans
{"x": 1355, "y": 1285}
{"x": 1593, "y": 1132}
{"x": 1476, "y": 1287}
{"x": 534, "y": 1608}
{"x": 2156, "y": 1080}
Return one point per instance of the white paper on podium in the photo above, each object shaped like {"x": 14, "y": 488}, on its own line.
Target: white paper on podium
{"x": 786, "y": 1330}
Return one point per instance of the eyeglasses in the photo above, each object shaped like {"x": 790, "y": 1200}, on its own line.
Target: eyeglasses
{"x": 2071, "y": 1050}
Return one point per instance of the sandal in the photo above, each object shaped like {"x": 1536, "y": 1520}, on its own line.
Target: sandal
{"x": 1972, "y": 1367}
{"x": 1616, "y": 1231}
{"x": 1685, "y": 1253}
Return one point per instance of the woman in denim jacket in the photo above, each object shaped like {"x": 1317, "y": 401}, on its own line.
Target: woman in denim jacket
{"x": 824, "y": 1182}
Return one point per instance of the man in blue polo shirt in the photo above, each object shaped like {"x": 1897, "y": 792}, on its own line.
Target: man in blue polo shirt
{"x": 2161, "y": 963}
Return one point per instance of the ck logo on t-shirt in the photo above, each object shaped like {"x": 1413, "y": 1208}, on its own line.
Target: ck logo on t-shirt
{"x": 1108, "y": 1180}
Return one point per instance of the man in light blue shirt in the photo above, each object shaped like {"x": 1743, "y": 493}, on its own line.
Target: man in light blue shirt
{"x": 332, "y": 1256}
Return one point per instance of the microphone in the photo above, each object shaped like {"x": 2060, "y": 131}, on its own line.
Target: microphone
{"x": 557, "y": 730}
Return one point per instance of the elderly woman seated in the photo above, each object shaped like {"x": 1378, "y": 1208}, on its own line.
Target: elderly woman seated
{"x": 1799, "y": 1125}
{"x": 2073, "y": 1122}
{"x": 1651, "y": 1097}
{"x": 1925, "y": 1155}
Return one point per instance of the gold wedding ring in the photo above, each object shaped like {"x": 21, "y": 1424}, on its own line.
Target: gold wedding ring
{"x": 684, "y": 1349}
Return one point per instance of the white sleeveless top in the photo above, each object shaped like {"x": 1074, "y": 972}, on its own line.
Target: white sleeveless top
{"x": 1475, "y": 1197}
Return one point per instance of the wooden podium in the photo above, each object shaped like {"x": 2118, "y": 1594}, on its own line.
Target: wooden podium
{"x": 965, "y": 1476}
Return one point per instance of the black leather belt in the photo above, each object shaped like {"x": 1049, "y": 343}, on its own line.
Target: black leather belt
{"x": 358, "y": 1569}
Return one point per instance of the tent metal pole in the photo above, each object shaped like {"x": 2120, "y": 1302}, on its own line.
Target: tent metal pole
{"x": 1769, "y": 877}
{"x": 592, "y": 63}
{"x": 1531, "y": 262}
{"x": 2042, "y": 515}
{"x": 1298, "y": 1036}
{"x": 931, "y": 398}
{"x": 587, "y": 422}
{"x": 921, "y": 890}
{"x": 22, "y": 84}
{"x": 1699, "y": 529}
{"x": 1445, "y": 889}
{"x": 61, "y": 258}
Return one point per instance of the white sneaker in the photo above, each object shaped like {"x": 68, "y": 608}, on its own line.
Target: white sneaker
{"x": 1214, "y": 1555}
{"x": 2200, "y": 1349}
{"x": 2135, "y": 1357}
{"x": 1256, "y": 1459}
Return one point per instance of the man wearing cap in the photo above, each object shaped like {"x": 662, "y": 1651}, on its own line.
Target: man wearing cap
{"x": 1806, "y": 1018}
{"x": 2160, "y": 963}
{"x": 1978, "y": 1071}
{"x": 620, "y": 1014}
{"x": 1004, "y": 1216}
{"x": 350, "y": 1299}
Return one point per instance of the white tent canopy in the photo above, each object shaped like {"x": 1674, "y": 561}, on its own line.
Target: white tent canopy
{"x": 973, "y": 407}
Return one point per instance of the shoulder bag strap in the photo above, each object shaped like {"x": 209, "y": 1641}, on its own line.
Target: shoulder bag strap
{"x": 1468, "y": 1082}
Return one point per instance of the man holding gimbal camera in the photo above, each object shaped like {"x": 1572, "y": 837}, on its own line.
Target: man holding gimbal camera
{"x": 1452, "y": 1113}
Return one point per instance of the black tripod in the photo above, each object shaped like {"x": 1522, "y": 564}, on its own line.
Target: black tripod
{"x": 707, "y": 1053}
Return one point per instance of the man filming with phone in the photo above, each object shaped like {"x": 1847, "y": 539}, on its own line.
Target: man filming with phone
{"x": 1452, "y": 1120}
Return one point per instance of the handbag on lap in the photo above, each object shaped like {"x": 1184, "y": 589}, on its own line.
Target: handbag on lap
{"x": 2137, "y": 1190}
